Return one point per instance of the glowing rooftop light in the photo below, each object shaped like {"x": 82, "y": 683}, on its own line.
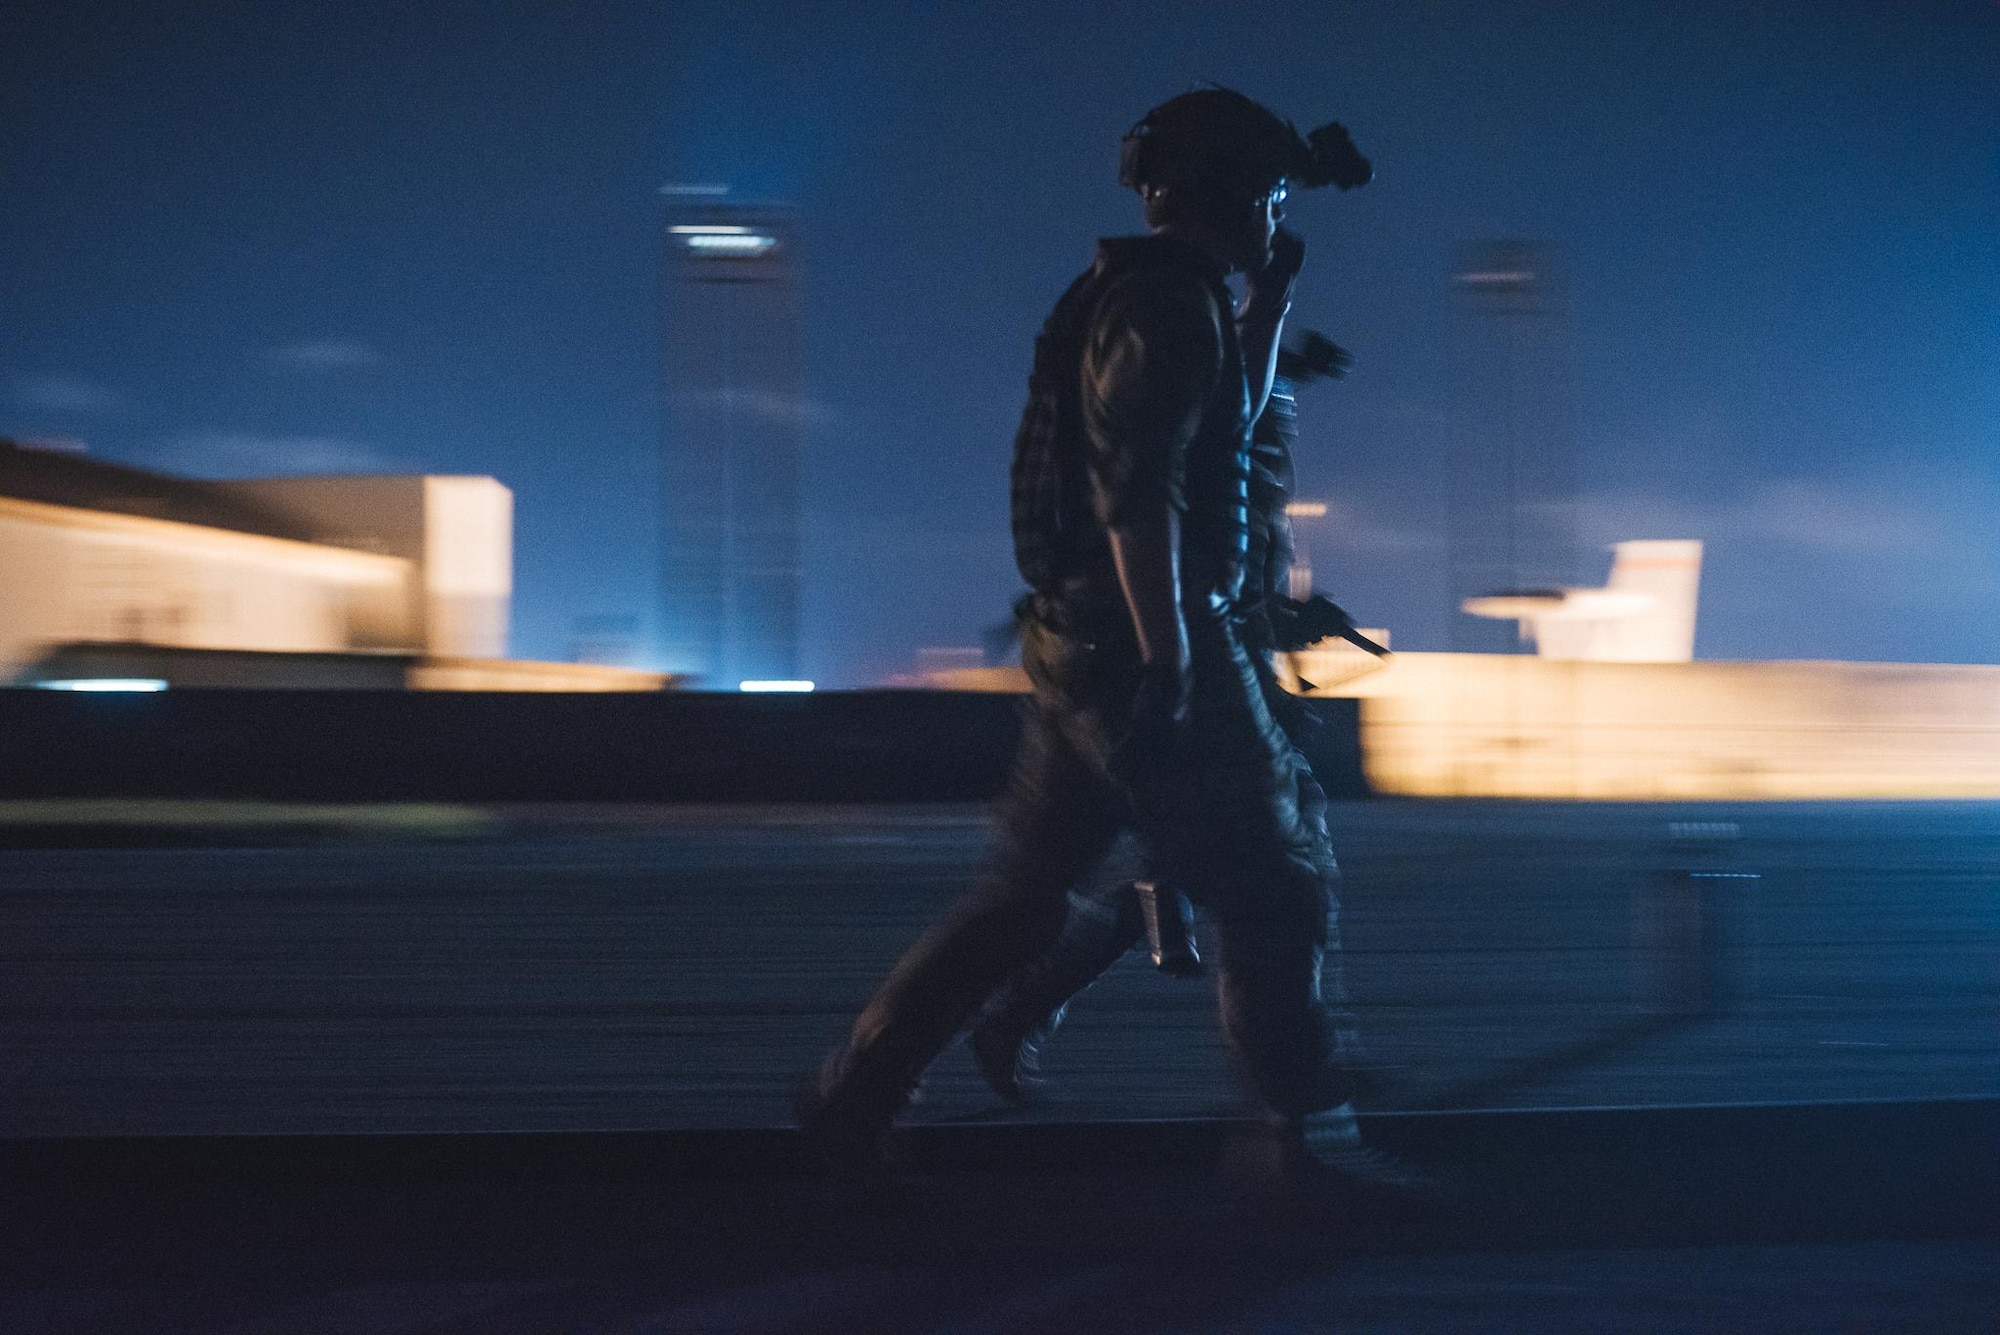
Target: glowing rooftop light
{"x": 708, "y": 229}
{"x": 1306, "y": 509}
{"x": 730, "y": 243}
{"x": 105, "y": 684}
{"x": 793, "y": 687}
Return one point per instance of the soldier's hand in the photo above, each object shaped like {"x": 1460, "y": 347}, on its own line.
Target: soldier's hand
{"x": 1323, "y": 356}
{"x": 1288, "y": 256}
{"x": 1162, "y": 697}
{"x": 1316, "y": 356}
{"x": 1152, "y": 733}
{"x": 1270, "y": 288}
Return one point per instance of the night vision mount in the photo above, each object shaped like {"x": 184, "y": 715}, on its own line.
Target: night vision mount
{"x": 1327, "y": 156}
{"x": 1332, "y": 159}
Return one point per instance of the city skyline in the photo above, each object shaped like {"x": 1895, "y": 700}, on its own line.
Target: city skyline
{"x": 254, "y": 242}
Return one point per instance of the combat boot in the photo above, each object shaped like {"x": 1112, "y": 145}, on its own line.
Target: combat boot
{"x": 1008, "y": 1052}
{"x": 845, "y": 1110}
{"x": 1323, "y": 1156}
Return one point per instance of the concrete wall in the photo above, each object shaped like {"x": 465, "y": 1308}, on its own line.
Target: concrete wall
{"x": 513, "y": 674}
{"x": 622, "y": 746}
{"x": 514, "y": 745}
{"x": 75, "y": 575}
{"x": 1467, "y": 725}
{"x": 293, "y": 670}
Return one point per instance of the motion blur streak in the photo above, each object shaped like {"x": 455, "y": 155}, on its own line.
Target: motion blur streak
{"x": 614, "y": 967}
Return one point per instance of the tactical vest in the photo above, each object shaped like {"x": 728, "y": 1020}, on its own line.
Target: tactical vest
{"x": 1059, "y": 546}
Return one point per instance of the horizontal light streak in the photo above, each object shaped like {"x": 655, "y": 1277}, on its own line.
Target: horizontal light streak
{"x": 730, "y": 244}
{"x": 104, "y": 684}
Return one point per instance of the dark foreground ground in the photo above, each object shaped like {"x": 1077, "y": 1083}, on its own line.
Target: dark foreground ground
{"x": 1823, "y": 1217}
{"x": 256, "y": 1088}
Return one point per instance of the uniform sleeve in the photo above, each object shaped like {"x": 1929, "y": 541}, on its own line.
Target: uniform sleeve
{"x": 1150, "y": 366}
{"x": 1272, "y": 442}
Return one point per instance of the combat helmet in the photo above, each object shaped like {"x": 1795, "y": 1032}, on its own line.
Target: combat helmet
{"x": 1215, "y": 140}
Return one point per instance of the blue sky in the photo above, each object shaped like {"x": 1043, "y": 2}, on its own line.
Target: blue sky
{"x": 254, "y": 238}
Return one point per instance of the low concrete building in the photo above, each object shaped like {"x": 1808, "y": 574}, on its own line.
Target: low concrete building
{"x": 109, "y": 572}
{"x": 455, "y": 534}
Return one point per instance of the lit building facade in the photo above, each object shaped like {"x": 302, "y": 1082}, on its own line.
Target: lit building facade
{"x": 455, "y": 534}
{"x": 729, "y": 540}
{"x": 112, "y": 573}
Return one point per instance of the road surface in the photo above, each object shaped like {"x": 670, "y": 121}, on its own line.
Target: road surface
{"x": 601, "y": 968}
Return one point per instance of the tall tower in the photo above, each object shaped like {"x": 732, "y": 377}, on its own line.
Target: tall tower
{"x": 1513, "y": 443}
{"x": 729, "y": 472}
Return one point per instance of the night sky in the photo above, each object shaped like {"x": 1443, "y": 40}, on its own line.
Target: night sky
{"x": 301, "y": 237}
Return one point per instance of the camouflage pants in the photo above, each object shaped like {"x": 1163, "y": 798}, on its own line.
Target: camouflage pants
{"x": 1221, "y": 818}
{"x": 1105, "y": 923}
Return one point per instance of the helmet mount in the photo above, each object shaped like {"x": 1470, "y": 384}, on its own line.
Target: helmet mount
{"x": 1217, "y": 141}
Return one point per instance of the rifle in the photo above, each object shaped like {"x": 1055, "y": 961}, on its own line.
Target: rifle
{"x": 1296, "y": 624}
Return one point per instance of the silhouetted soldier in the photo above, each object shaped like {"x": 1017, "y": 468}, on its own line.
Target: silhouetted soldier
{"x": 1111, "y": 918}
{"x": 1130, "y": 491}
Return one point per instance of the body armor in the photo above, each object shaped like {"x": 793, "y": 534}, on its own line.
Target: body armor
{"x": 1060, "y": 545}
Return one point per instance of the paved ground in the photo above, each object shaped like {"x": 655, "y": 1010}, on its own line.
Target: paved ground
{"x": 1879, "y": 1286}
{"x": 675, "y": 968}
{"x": 586, "y": 970}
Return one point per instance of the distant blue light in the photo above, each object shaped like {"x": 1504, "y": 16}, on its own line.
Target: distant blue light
{"x": 105, "y": 684}
{"x": 798, "y": 687}
{"x": 731, "y": 245}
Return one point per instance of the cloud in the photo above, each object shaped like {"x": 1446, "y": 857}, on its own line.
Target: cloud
{"x": 326, "y": 354}
{"x": 244, "y": 454}
{"x": 1808, "y": 517}
{"x": 65, "y": 394}
{"x": 1821, "y": 518}
{"x": 1359, "y": 528}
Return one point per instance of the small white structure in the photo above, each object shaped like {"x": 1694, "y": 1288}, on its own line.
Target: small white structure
{"x": 1645, "y": 612}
